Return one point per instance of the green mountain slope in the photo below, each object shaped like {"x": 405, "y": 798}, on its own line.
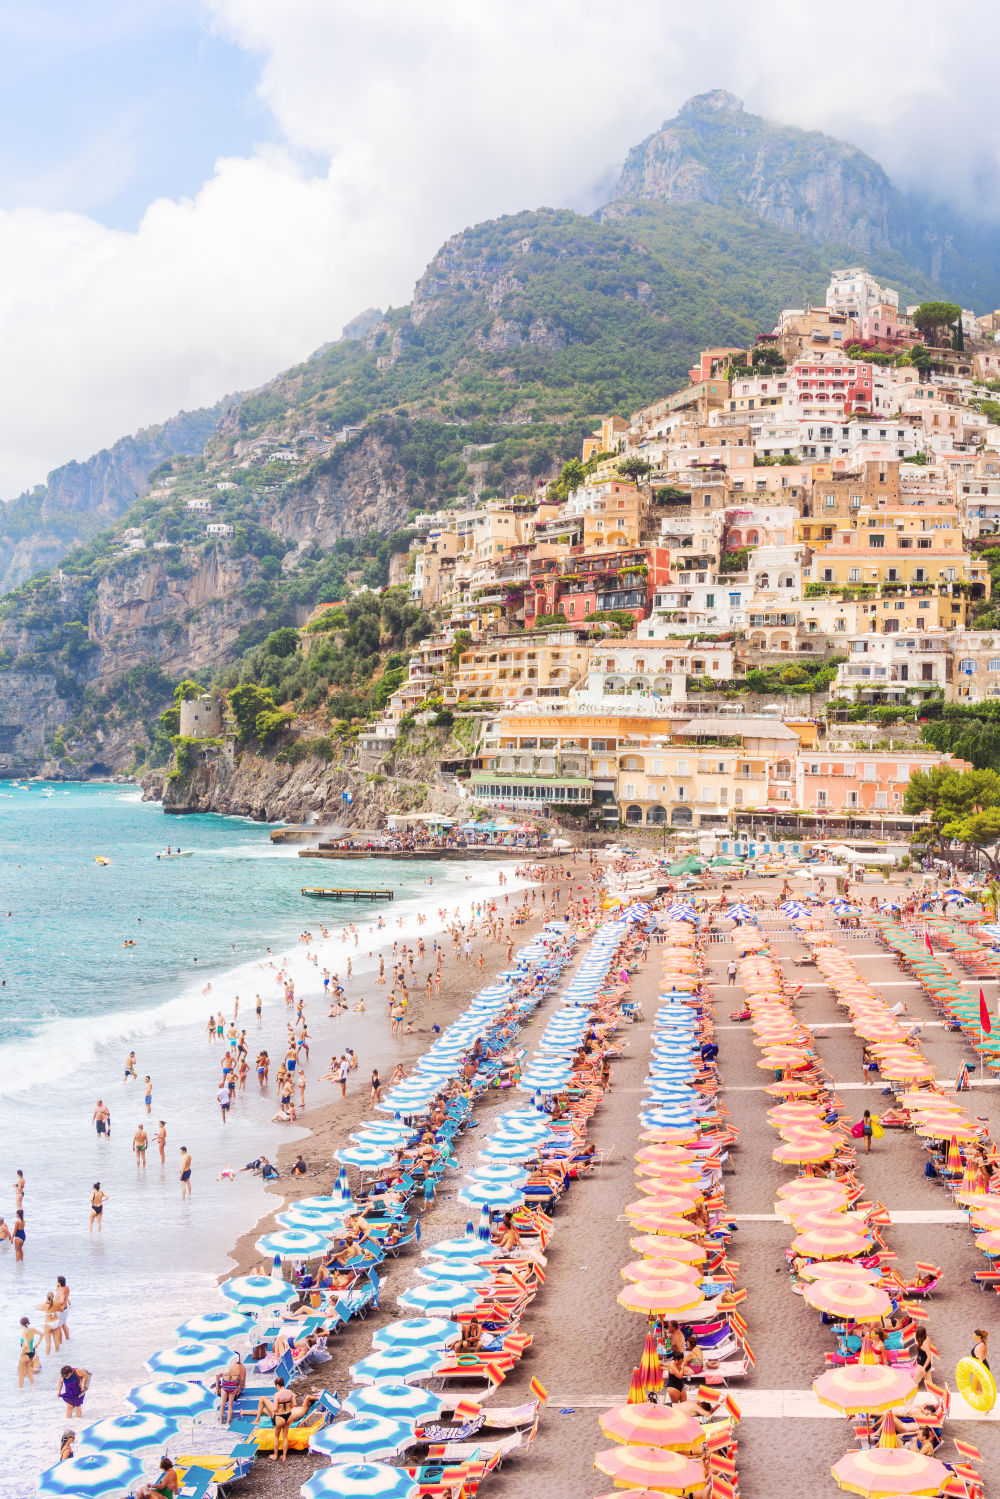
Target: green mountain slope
{"x": 810, "y": 184}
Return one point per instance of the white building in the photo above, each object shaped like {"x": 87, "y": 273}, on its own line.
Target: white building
{"x": 854, "y": 291}
{"x": 200, "y": 506}
{"x": 219, "y": 528}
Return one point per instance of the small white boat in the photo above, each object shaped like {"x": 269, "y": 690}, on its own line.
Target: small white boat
{"x": 175, "y": 853}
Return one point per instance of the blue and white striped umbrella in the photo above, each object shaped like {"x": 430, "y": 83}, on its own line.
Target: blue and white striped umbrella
{"x": 439, "y": 1298}
{"x": 406, "y": 1401}
{"x": 739, "y": 912}
{"x": 316, "y": 1220}
{"x": 521, "y": 1129}
{"x": 328, "y": 1204}
{"x": 460, "y": 1272}
{"x": 258, "y": 1290}
{"x": 417, "y": 1332}
{"x": 215, "y": 1325}
{"x": 496, "y": 1174}
{"x": 888, "y": 905}
{"x": 293, "y": 1243}
{"x": 182, "y": 1399}
{"x": 190, "y": 1360}
{"x": 405, "y": 1365}
{"x": 509, "y": 1148}
{"x": 478, "y": 1194}
{"x": 129, "y": 1433}
{"x": 794, "y": 908}
{"x": 364, "y": 1438}
{"x": 91, "y": 1475}
{"x": 523, "y": 1118}
{"x": 382, "y": 1132}
{"x": 360, "y": 1481}
{"x": 681, "y": 913}
{"x": 470, "y": 1247}
{"x": 365, "y": 1157}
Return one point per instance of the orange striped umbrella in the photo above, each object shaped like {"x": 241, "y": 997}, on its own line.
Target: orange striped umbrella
{"x": 864, "y": 1388}
{"x": 636, "y": 1390}
{"x": 650, "y": 1371}
{"x": 848, "y": 1298}
{"x": 810, "y": 1186}
{"x": 832, "y": 1201}
{"x": 829, "y": 1244}
{"x": 941, "y": 1127}
{"x": 879, "y": 1472}
{"x": 888, "y": 1435}
{"x": 807, "y": 1220}
{"x": 660, "y": 1269}
{"x": 653, "y": 1220}
{"x": 676, "y": 1197}
{"x": 675, "y": 1134}
{"x": 792, "y": 1088}
{"x": 665, "y": 1298}
{"x": 799, "y": 1152}
{"x": 664, "y": 1155}
{"x": 840, "y": 1270}
{"x": 985, "y": 1212}
{"x": 650, "y": 1468}
{"x": 681, "y": 1174}
{"x": 669, "y": 1247}
{"x": 989, "y": 1241}
{"x": 652, "y": 1426}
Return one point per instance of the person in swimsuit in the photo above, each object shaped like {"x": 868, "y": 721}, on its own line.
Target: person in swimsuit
{"x": 166, "y": 1486}
{"x": 980, "y": 1349}
{"x": 51, "y": 1330}
{"x": 675, "y": 1379}
{"x": 230, "y": 1387}
{"x": 27, "y": 1358}
{"x": 185, "y": 1172}
{"x": 148, "y": 1096}
{"x": 66, "y": 1444}
{"x": 72, "y": 1388}
{"x": 161, "y": 1140}
{"x": 97, "y": 1201}
{"x": 283, "y": 1411}
{"x": 101, "y": 1118}
{"x": 140, "y": 1144}
{"x": 130, "y": 1071}
{"x": 18, "y": 1235}
{"x": 62, "y": 1305}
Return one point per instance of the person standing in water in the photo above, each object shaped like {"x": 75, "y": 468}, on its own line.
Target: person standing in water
{"x": 97, "y": 1201}
{"x": 161, "y": 1140}
{"x": 61, "y": 1299}
{"x": 101, "y": 1118}
{"x": 140, "y": 1143}
{"x": 185, "y": 1172}
{"x": 149, "y": 1095}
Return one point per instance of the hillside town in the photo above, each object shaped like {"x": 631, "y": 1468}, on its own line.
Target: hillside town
{"x": 674, "y": 642}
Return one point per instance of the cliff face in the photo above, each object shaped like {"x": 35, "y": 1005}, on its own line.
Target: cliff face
{"x": 39, "y": 528}
{"x": 356, "y": 490}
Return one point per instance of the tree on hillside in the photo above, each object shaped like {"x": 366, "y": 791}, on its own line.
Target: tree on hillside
{"x": 636, "y": 469}
{"x": 248, "y": 702}
{"x": 932, "y": 317}
{"x": 186, "y": 690}
{"x": 964, "y": 808}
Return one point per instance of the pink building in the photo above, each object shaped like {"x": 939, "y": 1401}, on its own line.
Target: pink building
{"x": 875, "y": 781}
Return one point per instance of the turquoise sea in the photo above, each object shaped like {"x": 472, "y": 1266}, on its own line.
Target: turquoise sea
{"x": 74, "y": 1002}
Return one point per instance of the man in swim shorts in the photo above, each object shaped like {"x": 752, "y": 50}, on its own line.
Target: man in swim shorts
{"x": 185, "y": 1172}
{"x": 101, "y": 1118}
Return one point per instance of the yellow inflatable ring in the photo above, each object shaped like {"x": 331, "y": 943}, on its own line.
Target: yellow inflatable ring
{"x": 976, "y": 1384}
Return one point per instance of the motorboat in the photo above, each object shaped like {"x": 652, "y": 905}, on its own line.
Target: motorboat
{"x": 175, "y": 853}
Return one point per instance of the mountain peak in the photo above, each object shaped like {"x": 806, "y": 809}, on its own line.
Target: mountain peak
{"x": 715, "y": 101}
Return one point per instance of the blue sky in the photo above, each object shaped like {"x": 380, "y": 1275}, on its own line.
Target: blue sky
{"x": 106, "y": 106}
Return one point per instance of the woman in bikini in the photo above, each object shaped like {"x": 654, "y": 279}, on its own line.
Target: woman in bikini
{"x": 51, "y": 1328}
{"x": 283, "y": 1411}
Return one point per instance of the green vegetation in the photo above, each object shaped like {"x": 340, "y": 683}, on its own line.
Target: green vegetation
{"x": 964, "y": 808}
{"x": 793, "y": 681}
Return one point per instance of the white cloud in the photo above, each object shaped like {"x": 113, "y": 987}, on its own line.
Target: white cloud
{"x": 401, "y": 124}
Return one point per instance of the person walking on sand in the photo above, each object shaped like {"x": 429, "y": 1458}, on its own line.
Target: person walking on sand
{"x": 101, "y": 1119}
{"x": 185, "y": 1172}
{"x": 343, "y": 1068}
{"x": 140, "y": 1144}
{"x": 866, "y": 1123}
{"x": 97, "y": 1201}
{"x": 376, "y": 1093}
{"x": 731, "y": 972}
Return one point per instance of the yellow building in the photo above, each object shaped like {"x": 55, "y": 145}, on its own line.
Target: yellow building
{"x": 902, "y": 546}
{"x": 503, "y": 672}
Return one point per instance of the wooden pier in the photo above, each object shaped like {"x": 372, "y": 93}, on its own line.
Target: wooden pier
{"x": 342, "y": 893}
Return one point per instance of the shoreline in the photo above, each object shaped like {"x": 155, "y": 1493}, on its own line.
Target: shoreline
{"x": 328, "y": 1124}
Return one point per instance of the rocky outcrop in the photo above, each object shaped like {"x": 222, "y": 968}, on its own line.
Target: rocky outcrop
{"x": 259, "y": 786}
